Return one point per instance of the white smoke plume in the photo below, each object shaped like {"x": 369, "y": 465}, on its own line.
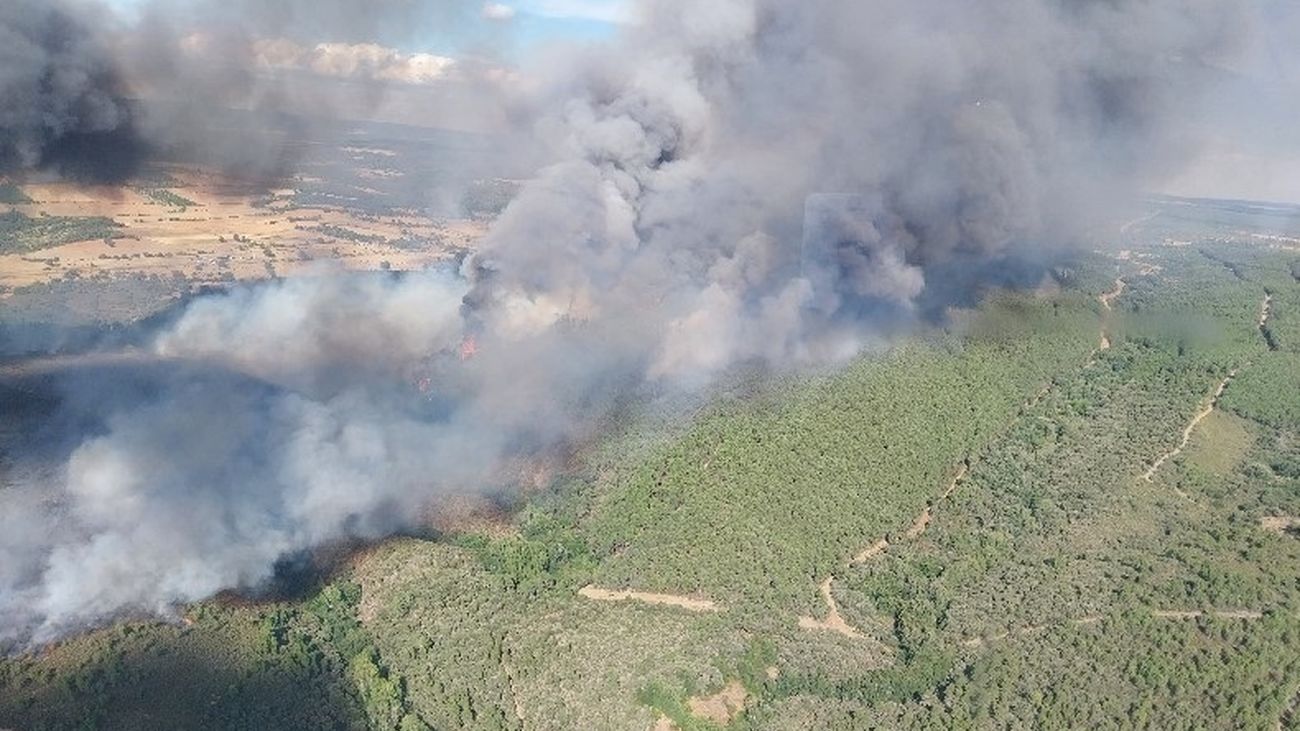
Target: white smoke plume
{"x": 734, "y": 181}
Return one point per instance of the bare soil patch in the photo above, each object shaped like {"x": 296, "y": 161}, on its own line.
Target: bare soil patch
{"x": 723, "y": 706}
{"x": 670, "y": 600}
{"x": 1279, "y": 524}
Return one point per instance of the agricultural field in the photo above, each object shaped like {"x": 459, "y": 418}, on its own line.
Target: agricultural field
{"x": 382, "y": 197}
{"x": 1073, "y": 507}
{"x": 211, "y": 231}
{"x": 78, "y": 258}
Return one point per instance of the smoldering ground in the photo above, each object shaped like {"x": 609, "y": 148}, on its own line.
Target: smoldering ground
{"x": 740, "y": 181}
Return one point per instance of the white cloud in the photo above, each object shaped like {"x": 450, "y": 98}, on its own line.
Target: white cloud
{"x": 353, "y": 61}
{"x": 498, "y": 11}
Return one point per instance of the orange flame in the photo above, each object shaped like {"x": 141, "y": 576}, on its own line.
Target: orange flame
{"x": 468, "y": 347}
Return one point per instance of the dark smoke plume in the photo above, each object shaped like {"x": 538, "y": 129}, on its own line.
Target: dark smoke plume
{"x": 735, "y": 181}
{"x": 62, "y": 97}
{"x": 92, "y": 95}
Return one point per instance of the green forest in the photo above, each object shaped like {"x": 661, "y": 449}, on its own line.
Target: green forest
{"x": 1070, "y": 497}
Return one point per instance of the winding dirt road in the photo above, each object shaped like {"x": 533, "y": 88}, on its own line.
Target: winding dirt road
{"x": 1265, "y": 310}
{"x": 920, "y": 524}
{"x": 1108, "y": 298}
{"x": 834, "y": 621}
{"x": 1202, "y": 415}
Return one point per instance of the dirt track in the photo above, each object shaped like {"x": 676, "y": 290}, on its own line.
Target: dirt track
{"x": 919, "y": 525}
{"x": 834, "y": 621}
{"x": 1202, "y": 415}
{"x": 1248, "y": 614}
{"x": 1265, "y": 310}
{"x": 1108, "y": 298}
{"x": 670, "y": 600}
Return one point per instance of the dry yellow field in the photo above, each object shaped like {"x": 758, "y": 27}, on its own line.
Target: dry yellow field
{"x": 232, "y": 233}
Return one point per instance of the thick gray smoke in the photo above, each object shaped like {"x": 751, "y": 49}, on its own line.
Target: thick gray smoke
{"x": 736, "y": 181}
{"x": 92, "y": 95}
{"x": 61, "y": 95}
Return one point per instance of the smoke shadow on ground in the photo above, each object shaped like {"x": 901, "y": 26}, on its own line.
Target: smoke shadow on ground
{"x": 142, "y": 677}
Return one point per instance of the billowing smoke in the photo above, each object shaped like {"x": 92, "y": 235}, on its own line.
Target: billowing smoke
{"x": 737, "y": 181}
{"x": 93, "y": 95}
{"x": 62, "y": 96}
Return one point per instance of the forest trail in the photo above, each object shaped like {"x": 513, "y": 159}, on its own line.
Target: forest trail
{"x": 670, "y": 600}
{"x": 1107, "y": 299}
{"x": 1031, "y": 629}
{"x": 1265, "y": 309}
{"x": 834, "y": 621}
{"x": 872, "y": 551}
{"x": 919, "y": 525}
{"x": 922, "y": 522}
{"x": 1202, "y": 415}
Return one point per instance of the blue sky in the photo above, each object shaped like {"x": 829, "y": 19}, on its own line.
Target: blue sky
{"x": 540, "y": 24}
{"x": 534, "y": 22}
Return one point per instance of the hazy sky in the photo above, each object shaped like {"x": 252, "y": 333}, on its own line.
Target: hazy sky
{"x": 529, "y": 22}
